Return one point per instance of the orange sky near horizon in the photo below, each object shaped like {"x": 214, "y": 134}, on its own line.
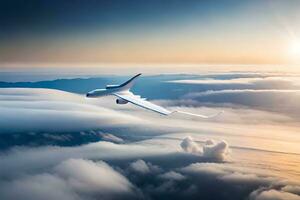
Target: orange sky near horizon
{"x": 250, "y": 33}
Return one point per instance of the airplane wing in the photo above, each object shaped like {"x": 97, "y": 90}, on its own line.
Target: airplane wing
{"x": 137, "y": 100}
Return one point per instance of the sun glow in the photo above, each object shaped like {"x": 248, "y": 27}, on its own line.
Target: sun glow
{"x": 295, "y": 49}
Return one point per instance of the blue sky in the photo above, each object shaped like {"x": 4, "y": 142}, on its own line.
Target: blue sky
{"x": 147, "y": 32}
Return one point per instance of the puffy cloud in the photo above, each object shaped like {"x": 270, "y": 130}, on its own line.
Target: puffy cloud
{"x": 258, "y": 184}
{"x": 273, "y": 195}
{"x": 142, "y": 167}
{"x": 86, "y": 179}
{"x": 216, "y": 151}
{"x": 172, "y": 176}
{"x": 89, "y": 177}
{"x": 42, "y": 186}
{"x": 71, "y": 179}
{"x": 292, "y": 189}
{"x": 189, "y": 145}
{"x": 26, "y": 160}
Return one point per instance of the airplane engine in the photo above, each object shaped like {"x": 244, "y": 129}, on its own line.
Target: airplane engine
{"x": 121, "y": 101}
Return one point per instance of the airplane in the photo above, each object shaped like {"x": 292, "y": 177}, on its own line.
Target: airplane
{"x": 124, "y": 95}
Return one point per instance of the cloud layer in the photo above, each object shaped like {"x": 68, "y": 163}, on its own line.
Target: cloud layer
{"x": 143, "y": 170}
{"x": 71, "y": 179}
{"x": 60, "y": 145}
{"x": 52, "y": 111}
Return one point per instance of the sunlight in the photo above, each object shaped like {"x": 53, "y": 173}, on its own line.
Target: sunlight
{"x": 295, "y": 49}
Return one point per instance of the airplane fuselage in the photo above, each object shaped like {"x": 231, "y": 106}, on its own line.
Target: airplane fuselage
{"x": 102, "y": 92}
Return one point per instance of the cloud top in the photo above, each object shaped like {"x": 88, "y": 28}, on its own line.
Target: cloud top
{"x": 218, "y": 151}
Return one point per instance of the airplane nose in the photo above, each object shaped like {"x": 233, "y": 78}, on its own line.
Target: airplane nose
{"x": 87, "y": 95}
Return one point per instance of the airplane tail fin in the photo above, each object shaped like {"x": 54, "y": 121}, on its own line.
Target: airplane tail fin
{"x": 127, "y": 85}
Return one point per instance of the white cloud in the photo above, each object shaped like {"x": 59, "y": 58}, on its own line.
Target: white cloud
{"x": 273, "y": 195}
{"x": 72, "y": 179}
{"x": 205, "y": 168}
{"x": 53, "y": 110}
{"x": 258, "y": 80}
{"x": 189, "y": 145}
{"x": 292, "y": 189}
{"x": 262, "y": 99}
{"x": 35, "y": 187}
{"x": 269, "y": 186}
{"x": 52, "y": 172}
{"x": 247, "y": 81}
{"x": 217, "y": 151}
{"x": 140, "y": 166}
{"x": 172, "y": 176}
{"x": 230, "y": 172}
{"x": 111, "y": 138}
{"x": 99, "y": 178}
{"x": 215, "y": 92}
{"x": 26, "y": 160}
{"x": 48, "y": 110}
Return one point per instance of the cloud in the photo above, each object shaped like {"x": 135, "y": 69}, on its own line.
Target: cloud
{"x": 71, "y": 179}
{"x": 246, "y": 81}
{"x": 273, "y": 195}
{"x": 216, "y": 151}
{"x": 258, "y": 184}
{"x": 292, "y": 189}
{"x": 257, "y": 99}
{"x": 42, "y": 186}
{"x": 96, "y": 178}
{"x": 231, "y": 173}
{"x": 140, "y": 166}
{"x": 137, "y": 170}
{"x": 111, "y": 138}
{"x": 172, "y": 176}
{"x": 188, "y": 145}
{"x": 207, "y": 168}
{"x": 263, "y": 91}
{"x": 162, "y": 170}
{"x": 258, "y": 81}
{"x": 54, "y": 111}
{"x": 35, "y": 159}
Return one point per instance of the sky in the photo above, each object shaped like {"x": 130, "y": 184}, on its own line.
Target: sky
{"x": 120, "y": 32}
{"x": 238, "y": 58}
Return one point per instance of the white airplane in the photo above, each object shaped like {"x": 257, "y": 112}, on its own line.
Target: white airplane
{"x": 123, "y": 94}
